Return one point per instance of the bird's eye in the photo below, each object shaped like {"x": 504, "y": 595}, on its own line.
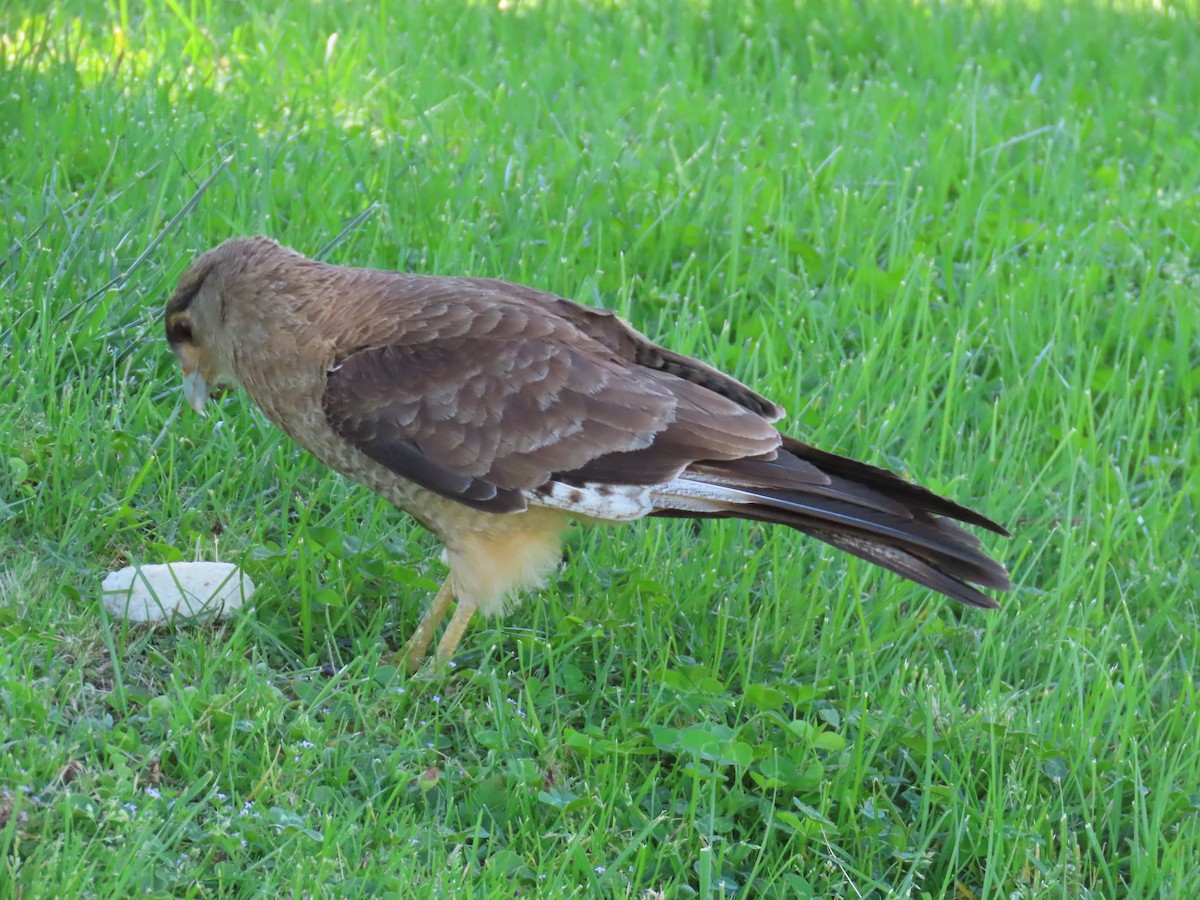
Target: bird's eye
{"x": 180, "y": 331}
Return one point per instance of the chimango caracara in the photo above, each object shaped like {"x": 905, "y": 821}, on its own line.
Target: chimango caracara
{"x": 496, "y": 414}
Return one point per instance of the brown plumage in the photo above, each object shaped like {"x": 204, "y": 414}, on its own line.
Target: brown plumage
{"x": 495, "y": 414}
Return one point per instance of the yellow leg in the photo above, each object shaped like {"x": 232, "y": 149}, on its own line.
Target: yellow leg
{"x": 418, "y": 644}
{"x": 454, "y": 632}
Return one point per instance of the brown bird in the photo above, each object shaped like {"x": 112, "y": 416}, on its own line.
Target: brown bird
{"x": 495, "y": 414}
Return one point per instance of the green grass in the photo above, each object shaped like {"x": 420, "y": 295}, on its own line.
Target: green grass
{"x": 959, "y": 241}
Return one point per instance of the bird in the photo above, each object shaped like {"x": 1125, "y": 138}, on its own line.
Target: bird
{"x": 497, "y": 415}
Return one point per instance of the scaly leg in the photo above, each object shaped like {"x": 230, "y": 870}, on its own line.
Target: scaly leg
{"x": 418, "y": 644}
{"x": 453, "y": 633}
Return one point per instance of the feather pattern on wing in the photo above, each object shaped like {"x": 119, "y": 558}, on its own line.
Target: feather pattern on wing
{"x": 483, "y": 407}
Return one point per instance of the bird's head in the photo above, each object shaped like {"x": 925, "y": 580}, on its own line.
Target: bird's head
{"x": 206, "y": 317}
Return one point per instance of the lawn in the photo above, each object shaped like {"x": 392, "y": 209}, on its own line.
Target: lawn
{"x": 957, "y": 240}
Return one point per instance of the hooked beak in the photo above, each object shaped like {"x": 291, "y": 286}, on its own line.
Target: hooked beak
{"x": 195, "y": 385}
{"x": 195, "y": 389}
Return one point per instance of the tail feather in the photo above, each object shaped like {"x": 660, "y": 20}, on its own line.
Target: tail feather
{"x": 888, "y": 483}
{"x": 864, "y": 510}
{"x": 912, "y": 568}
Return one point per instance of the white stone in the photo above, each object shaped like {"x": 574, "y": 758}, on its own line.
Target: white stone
{"x": 157, "y": 593}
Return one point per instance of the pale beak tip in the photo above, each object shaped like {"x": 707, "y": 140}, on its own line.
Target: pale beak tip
{"x": 195, "y": 389}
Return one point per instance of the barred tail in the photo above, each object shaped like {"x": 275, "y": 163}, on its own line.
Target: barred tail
{"x": 861, "y": 509}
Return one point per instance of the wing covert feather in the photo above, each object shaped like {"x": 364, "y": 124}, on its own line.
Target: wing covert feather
{"x": 514, "y": 398}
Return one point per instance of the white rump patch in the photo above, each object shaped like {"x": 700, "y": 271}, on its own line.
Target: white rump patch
{"x": 606, "y": 502}
{"x": 698, "y": 496}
